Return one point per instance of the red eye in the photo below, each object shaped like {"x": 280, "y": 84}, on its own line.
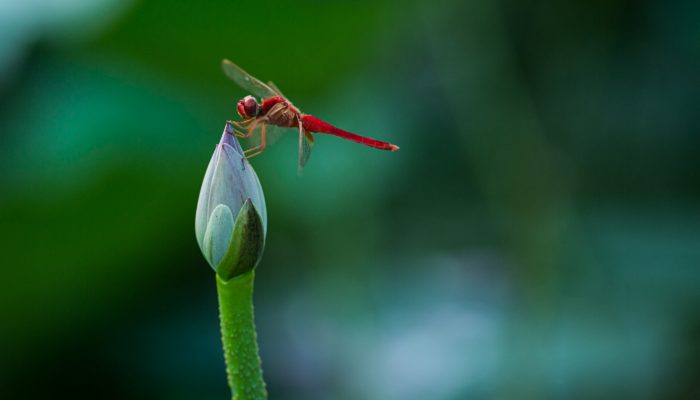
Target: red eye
{"x": 241, "y": 109}
{"x": 250, "y": 106}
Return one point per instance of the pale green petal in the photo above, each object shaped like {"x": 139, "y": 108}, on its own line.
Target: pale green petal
{"x": 218, "y": 235}
{"x": 246, "y": 245}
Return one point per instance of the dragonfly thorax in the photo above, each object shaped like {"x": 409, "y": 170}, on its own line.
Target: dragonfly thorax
{"x": 279, "y": 111}
{"x": 248, "y": 107}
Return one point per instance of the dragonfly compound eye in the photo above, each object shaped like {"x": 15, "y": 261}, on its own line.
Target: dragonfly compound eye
{"x": 248, "y": 107}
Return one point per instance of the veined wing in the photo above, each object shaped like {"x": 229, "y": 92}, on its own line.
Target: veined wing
{"x": 246, "y": 81}
{"x": 276, "y": 89}
{"x": 273, "y": 133}
{"x": 306, "y": 142}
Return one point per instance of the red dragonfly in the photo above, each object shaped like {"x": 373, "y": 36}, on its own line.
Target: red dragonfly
{"x": 275, "y": 110}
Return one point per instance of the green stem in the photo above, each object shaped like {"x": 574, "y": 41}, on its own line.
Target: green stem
{"x": 238, "y": 336}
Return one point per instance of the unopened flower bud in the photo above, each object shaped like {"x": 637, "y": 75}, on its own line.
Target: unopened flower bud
{"x": 231, "y": 218}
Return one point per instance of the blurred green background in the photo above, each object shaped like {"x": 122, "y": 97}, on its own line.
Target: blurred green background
{"x": 536, "y": 237}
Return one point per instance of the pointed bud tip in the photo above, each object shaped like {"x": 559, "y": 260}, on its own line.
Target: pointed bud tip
{"x": 227, "y": 137}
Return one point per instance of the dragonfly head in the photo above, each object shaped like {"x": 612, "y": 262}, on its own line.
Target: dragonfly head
{"x": 248, "y": 107}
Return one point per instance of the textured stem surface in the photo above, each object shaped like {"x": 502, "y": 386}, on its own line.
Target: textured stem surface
{"x": 238, "y": 336}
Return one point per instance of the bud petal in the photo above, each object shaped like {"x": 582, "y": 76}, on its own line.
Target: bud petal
{"x": 218, "y": 235}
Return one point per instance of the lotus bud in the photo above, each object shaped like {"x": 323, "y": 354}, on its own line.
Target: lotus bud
{"x": 231, "y": 217}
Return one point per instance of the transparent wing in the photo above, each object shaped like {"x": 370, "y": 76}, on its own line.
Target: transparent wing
{"x": 306, "y": 142}
{"x": 273, "y": 134}
{"x": 276, "y": 89}
{"x": 246, "y": 81}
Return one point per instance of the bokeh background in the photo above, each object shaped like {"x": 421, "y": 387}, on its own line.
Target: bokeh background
{"x": 536, "y": 237}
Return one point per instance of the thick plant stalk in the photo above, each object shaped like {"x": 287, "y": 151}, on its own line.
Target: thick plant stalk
{"x": 243, "y": 366}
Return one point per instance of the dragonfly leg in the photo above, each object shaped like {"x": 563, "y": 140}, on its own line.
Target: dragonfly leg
{"x": 241, "y": 134}
{"x": 257, "y": 150}
{"x": 243, "y": 123}
{"x": 241, "y": 127}
{"x": 246, "y": 132}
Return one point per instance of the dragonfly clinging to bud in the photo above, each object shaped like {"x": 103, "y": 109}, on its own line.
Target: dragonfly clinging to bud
{"x": 275, "y": 110}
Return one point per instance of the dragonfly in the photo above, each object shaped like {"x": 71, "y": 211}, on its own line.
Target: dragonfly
{"x": 274, "y": 110}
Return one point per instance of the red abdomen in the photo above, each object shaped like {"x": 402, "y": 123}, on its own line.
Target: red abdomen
{"x": 314, "y": 124}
